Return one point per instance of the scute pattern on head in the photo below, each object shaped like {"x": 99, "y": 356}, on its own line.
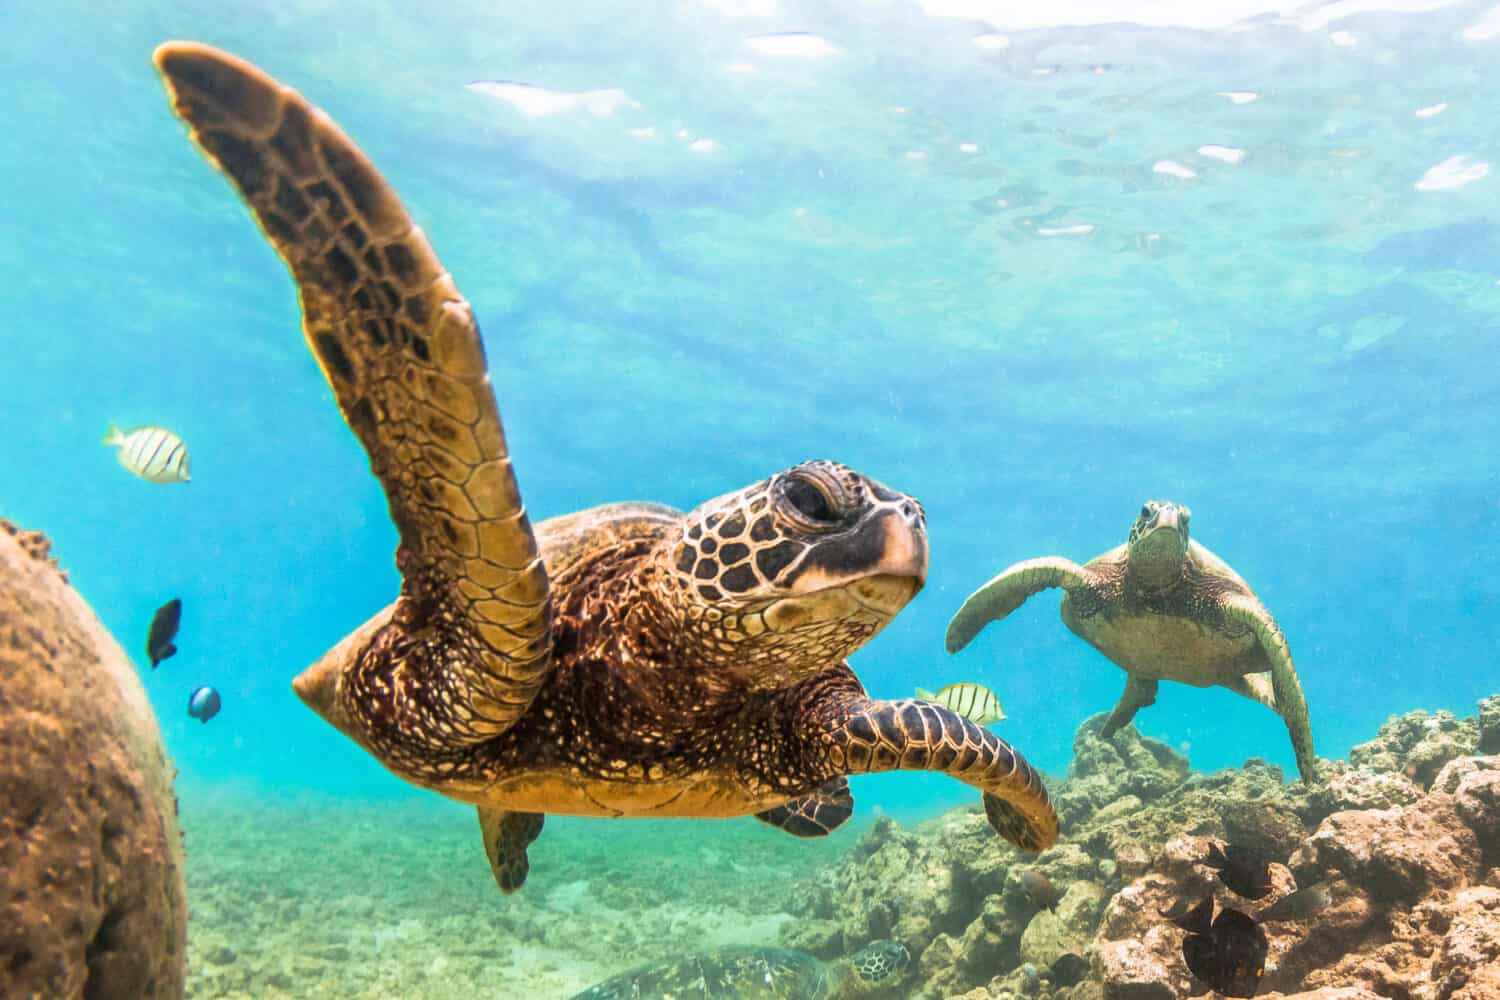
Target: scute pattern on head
{"x": 880, "y": 960}
{"x": 777, "y": 575}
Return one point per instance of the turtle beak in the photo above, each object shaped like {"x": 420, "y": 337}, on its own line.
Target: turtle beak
{"x": 906, "y": 544}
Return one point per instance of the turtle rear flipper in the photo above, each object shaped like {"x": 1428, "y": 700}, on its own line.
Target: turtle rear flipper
{"x": 815, "y": 815}
{"x": 1008, "y": 591}
{"x": 1139, "y": 692}
{"x": 400, "y": 348}
{"x": 507, "y": 834}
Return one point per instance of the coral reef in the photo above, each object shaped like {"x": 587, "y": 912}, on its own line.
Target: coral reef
{"x": 1405, "y": 835}
{"x": 91, "y": 879}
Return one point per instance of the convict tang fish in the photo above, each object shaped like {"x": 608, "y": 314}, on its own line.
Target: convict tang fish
{"x": 153, "y": 453}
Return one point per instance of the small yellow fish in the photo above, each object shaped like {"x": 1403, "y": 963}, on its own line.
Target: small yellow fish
{"x": 973, "y": 701}
{"x": 153, "y": 453}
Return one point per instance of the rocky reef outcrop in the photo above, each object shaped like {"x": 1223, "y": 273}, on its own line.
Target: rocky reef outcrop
{"x": 1405, "y": 836}
{"x": 92, "y": 902}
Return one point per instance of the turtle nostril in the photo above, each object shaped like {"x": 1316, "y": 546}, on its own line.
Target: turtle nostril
{"x": 909, "y": 509}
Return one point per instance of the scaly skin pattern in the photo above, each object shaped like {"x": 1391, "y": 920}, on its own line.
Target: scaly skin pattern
{"x": 623, "y": 661}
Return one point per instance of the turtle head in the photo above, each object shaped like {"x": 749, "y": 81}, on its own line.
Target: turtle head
{"x": 1158, "y": 543}
{"x": 784, "y": 578}
{"x": 880, "y": 960}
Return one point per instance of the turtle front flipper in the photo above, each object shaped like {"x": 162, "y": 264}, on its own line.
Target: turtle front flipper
{"x": 815, "y": 815}
{"x": 1139, "y": 692}
{"x": 1008, "y": 591}
{"x": 506, "y": 836}
{"x": 908, "y": 735}
{"x": 1290, "y": 704}
{"x": 401, "y": 350}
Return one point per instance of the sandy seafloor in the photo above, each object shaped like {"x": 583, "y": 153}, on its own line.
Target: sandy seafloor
{"x": 363, "y": 901}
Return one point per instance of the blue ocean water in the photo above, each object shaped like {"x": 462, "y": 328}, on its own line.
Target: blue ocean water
{"x": 1032, "y": 270}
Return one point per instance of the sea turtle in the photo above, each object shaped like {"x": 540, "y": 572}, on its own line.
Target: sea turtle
{"x": 1162, "y": 607}
{"x": 749, "y": 973}
{"x": 628, "y": 660}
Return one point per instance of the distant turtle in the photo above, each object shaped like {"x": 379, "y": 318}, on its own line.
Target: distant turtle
{"x": 1162, "y": 607}
{"x": 628, "y": 660}
{"x": 746, "y": 973}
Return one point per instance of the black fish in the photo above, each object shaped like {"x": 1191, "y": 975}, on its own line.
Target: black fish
{"x": 1229, "y": 954}
{"x": 1246, "y": 872}
{"x": 163, "y": 630}
{"x": 1040, "y": 890}
{"x": 1069, "y": 970}
{"x": 1193, "y": 919}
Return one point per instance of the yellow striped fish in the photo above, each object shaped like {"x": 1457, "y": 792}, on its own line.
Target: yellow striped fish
{"x": 153, "y": 453}
{"x": 973, "y": 701}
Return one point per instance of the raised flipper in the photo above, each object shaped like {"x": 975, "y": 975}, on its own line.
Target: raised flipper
{"x": 907, "y": 735}
{"x": 1286, "y": 688}
{"x": 1008, "y": 591}
{"x": 400, "y": 348}
{"x": 506, "y": 836}
{"x": 815, "y": 815}
{"x": 1139, "y": 692}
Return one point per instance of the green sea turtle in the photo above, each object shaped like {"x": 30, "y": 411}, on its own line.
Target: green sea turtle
{"x": 747, "y": 973}
{"x": 628, "y": 660}
{"x": 1162, "y": 607}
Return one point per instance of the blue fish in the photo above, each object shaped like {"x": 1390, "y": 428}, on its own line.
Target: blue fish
{"x": 204, "y": 703}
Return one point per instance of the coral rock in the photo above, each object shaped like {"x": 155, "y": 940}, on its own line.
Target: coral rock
{"x": 1473, "y": 939}
{"x": 1489, "y": 724}
{"x": 92, "y": 899}
{"x": 1395, "y": 855}
{"x": 1418, "y": 744}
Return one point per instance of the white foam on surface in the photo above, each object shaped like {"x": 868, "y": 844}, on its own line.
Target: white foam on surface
{"x": 1431, "y": 111}
{"x": 1325, "y": 14}
{"x": 1225, "y": 154}
{"x": 794, "y": 44}
{"x": 1202, "y": 15}
{"x": 1453, "y": 173}
{"x": 1081, "y": 229}
{"x": 742, "y": 8}
{"x": 538, "y": 102}
{"x": 1238, "y": 96}
{"x": 1485, "y": 28}
{"x": 1172, "y": 169}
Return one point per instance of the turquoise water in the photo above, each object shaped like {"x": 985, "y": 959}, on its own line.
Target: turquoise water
{"x": 981, "y": 274}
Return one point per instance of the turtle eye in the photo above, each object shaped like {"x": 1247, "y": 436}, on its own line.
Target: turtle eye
{"x": 808, "y": 500}
{"x": 1146, "y": 511}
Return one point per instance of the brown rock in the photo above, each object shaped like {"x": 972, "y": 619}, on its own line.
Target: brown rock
{"x": 1327, "y": 993}
{"x": 1418, "y": 744}
{"x": 1473, "y": 939}
{"x": 1474, "y": 783}
{"x": 92, "y": 900}
{"x": 1394, "y": 855}
{"x": 1489, "y": 724}
{"x": 1484, "y": 984}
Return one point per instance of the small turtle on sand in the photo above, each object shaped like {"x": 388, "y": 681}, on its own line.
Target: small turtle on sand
{"x": 1162, "y": 607}
{"x": 628, "y": 660}
{"x": 745, "y": 973}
